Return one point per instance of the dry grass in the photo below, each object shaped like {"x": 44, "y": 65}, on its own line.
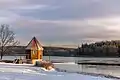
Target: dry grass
{"x": 45, "y": 64}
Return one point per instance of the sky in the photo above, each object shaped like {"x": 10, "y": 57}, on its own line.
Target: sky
{"x": 62, "y": 22}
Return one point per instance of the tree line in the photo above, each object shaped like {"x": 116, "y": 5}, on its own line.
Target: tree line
{"x": 100, "y": 49}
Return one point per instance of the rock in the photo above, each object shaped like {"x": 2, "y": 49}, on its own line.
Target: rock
{"x": 18, "y": 61}
{"x": 6, "y": 61}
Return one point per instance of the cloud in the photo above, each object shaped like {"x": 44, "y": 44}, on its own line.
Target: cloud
{"x": 69, "y": 9}
{"x": 62, "y": 21}
{"x": 68, "y": 31}
{"x": 6, "y": 17}
{"x": 31, "y": 7}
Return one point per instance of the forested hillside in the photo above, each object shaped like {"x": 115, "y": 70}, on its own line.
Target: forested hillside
{"x": 104, "y": 48}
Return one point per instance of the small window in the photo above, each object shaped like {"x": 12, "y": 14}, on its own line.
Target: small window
{"x": 40, "y": 56}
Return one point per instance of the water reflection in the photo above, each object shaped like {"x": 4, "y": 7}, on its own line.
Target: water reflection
{"x": 98, "y": 69}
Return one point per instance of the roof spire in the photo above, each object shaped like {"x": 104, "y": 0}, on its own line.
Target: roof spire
{"x": 34, "y": 45}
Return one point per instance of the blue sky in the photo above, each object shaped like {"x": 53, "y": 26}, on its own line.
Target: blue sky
{"x": 62, "y": 22}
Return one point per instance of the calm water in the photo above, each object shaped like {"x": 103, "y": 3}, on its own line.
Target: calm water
{"x": 67, "y": 59}
{"x": 108, "y": 70}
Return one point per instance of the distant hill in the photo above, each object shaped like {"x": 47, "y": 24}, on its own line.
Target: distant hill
{"x": 97, "y": 49}
{"x": 53, "y": 51}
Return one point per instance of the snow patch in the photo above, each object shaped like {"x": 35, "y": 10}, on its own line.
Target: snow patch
{"x": 47, "y": 70}
{"x": 70, "y": 63}
{"x": 29, "y": 72}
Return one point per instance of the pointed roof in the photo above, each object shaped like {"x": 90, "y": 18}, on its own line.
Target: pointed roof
{"x": 34, "y": 45}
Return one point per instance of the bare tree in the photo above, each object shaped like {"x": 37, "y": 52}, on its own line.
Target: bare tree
{"x": 7, "y": 40}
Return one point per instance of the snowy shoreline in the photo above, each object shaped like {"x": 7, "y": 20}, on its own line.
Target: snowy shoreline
{"x": 83, "y": 73}
{"x": 91, "y": 74}
{"x": 9, "y": 71}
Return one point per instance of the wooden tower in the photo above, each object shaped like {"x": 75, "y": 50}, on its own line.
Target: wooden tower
{"x": 34, "y": 50}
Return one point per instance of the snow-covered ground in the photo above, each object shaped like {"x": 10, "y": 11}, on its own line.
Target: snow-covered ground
{"x": 29, "y": 72}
